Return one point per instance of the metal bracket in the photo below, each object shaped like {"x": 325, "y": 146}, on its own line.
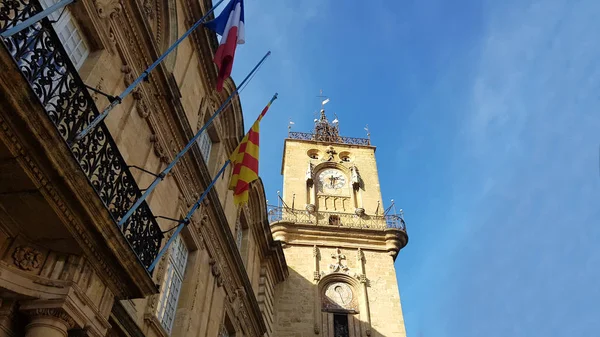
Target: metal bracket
{"x": 110, "y": 98}
{"x": 145, "y": 171}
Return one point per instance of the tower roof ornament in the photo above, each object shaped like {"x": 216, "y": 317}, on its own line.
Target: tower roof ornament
{"x": 326, "y": 131}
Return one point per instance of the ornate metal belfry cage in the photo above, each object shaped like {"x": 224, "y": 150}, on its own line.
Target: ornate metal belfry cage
{"x": 45, "y": 65}
{"x": 328, "y": 132}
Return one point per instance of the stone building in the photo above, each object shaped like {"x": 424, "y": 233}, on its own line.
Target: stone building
{"x": 340, "y": 244}
{"x": 66, "y": 267}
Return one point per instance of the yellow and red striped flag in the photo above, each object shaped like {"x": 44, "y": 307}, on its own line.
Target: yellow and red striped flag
{"x": 245, "y": 161}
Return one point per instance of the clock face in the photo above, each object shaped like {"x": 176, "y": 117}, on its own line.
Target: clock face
{"x": 332, "y": 179}
{"x": 340, "y": 294}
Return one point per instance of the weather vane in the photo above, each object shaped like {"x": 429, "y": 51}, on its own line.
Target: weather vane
{"x": 324, "y": 99}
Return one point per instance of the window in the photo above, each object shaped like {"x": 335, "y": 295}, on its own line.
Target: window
{"x": 205, "y": 145}
{"x": 340, "y": 325}
{"x": 239, "y": 234}
{"x": 69, "y": 33}
{"x": 171, "y": 286}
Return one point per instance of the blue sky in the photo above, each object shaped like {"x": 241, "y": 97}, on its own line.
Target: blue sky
{"x": 486, "y": 121}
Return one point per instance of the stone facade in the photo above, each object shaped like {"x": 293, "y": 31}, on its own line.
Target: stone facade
{"x": 339, "y": 246}
{"x": 66, "y": 269}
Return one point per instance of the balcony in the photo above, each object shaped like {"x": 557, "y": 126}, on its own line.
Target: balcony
{"x": 337, "y": 219}
{"x": 51, "y": 76}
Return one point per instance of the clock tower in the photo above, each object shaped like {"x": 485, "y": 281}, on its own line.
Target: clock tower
{"x": 339, "y": 240}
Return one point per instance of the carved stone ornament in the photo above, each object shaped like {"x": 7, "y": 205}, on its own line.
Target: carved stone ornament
{"x": 159, "y": 150}
{"x": 215, "y": 271}
{"x": 330, "y": 154}
{"x": 338, "y": 266}
{"x": 108, "y": 8}
{"x": 27, "y": 258}
{"x": 238, "y": 300}
{"x": 309, "y": 174}
{"x": 355, "y": 177}
{"x": 52, "y": 312}
{"x": 359, "y": 211}
{"x": 142, "y": 109}
{"x": 311, "y": 208}
{"x": 128, "y": 78}
{"x": 148, "y": 6}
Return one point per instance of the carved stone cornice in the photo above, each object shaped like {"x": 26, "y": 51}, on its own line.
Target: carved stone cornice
{"x": 389, "y": 239}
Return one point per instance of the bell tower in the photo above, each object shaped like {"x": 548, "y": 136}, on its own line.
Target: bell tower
{"x": 339, "y": 241}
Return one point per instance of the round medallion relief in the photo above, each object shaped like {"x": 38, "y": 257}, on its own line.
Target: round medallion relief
{"x": 340, "y": 295}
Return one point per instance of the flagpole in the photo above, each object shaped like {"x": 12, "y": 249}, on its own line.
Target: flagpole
{"x": 39, "y": 16}
{"x": 185, "y": 221}
{"x": 192, "y": 141}
{"x": 145, "y": 74}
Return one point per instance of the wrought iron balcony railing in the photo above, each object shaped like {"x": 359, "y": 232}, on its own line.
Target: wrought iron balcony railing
{"x": 338, "y": 219}
{"x": 341, "y": 139}
{"x": 45, "y": 65}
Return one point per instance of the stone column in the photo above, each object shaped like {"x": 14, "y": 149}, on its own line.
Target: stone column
{"x": 48, "y": 322}
{"x": 7, "y": 310}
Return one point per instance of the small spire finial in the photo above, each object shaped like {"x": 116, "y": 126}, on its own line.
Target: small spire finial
{"x": 324, "y": 99}
{"x": 290, "y": 126}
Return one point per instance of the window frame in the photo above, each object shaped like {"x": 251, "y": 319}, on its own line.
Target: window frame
{"x": 61, "y": 19}
{"x": 168, "y": 300}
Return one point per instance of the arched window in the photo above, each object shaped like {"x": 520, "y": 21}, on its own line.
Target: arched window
{"x": 69, "y": 33}
{"x": 339, "y": 303}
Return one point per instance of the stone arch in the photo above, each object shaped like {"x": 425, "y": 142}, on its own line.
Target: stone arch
{"x": 257, "y": 203}
{"x": 328, "y": 164}
{"x": 359, "y": 316}
{"x": 163, "y": 20}
{"x": 337, "y": 277}
{"x": 232, "y": 119}
{"x": 171, "y": 33}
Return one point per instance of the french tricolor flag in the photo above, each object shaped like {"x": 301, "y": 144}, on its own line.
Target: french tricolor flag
{"x": 230, "y": 25}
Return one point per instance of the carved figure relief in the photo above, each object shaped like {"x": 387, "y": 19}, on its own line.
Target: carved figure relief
{"x": 338, "y": 266}
{"x": 309, "y": 174}
{"x": 355, "y": 177}
{"x": 27, "y": 258}
{"x": 330, "y": 154}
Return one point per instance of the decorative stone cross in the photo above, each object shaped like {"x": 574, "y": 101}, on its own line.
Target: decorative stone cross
{"x": 338, "y": 266}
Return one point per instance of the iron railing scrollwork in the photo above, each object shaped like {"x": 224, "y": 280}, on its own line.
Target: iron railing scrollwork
{"x": 338, "y": 219}
{"x": 47, "y": 68}
{"x": 341, "y": 139}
